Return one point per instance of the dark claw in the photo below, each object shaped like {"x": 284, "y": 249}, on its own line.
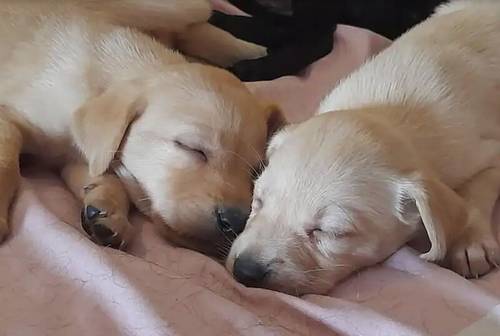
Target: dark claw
{"x": 92, "y": 213}
{"x": 99, "y": 233}
{"x": 85, "y": 223}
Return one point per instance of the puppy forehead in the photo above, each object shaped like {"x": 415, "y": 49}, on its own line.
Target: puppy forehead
{"x": 328, "y": 143}
{"x": 219, "y": 110}
{"x": 318, "y": 166}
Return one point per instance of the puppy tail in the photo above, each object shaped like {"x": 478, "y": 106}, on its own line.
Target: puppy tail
{"x": 168, "y": 15}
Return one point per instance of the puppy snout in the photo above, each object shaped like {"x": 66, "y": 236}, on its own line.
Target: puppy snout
{"x": 248, "y": 271}
{"x": 231, "y": 219}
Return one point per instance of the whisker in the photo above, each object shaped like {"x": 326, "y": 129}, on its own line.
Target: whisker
{"x": 325, "y": 269}
{"x": 245, "y": 161}
{"x": 260, "y": 161}
{"x": 324, "y": 281}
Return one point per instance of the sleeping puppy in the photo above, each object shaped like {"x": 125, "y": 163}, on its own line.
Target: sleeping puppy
{"x": 412, "y": 145}
{"x": 92, "y": 98}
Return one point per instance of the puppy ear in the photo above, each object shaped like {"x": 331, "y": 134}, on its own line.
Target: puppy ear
{"x": 278, "y": 139}
{"x": 275, "y": 120}
{"x": 442, "y": 211}
{"x": 100, "y": 124}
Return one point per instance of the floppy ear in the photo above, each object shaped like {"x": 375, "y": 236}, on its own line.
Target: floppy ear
{"x": 278, "y": 139}
{"x": 441, "y": 210}
{"x": 275, "y": 119}
{"x": 276, "y": 123}
{"x": 100, "y": 124}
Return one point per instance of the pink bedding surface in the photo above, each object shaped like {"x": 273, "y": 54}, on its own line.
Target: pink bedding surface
{"x": 54, "y": 281}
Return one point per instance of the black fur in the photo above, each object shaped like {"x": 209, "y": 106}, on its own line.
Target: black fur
{"x": 298, "y": 32}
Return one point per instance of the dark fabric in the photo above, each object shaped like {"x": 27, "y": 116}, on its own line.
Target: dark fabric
{"x": 286, "y": 60}
{"x": 390, "y": 18}
{"x": 299, "y": 38}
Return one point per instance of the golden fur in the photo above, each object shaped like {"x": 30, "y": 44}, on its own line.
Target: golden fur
{"x": 83, "y": 84}
{"x": 408, "y": 143}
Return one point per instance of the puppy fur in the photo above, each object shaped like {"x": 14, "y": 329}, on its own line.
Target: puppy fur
{"x": 412, "y": 145}
{"x": 88, "y": 92}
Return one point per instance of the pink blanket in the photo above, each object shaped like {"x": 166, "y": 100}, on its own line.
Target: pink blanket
{"x": 54, "y": 281}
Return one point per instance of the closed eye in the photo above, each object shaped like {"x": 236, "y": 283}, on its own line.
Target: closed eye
{"x": 313, "y": 231}
{"x": 198, "y": 152}
{"x": 317, "y": 232}
{"x": 257, "y": 203}
{"x": 343, "y": 234}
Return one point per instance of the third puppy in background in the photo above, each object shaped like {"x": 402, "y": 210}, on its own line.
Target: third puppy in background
{"x": 299, "y": 32}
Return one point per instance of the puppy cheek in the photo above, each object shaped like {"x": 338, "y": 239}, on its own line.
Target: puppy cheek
{"x": 194, "y": 218}
{"x": 321, "y": 284}
{"x": 298, "y": 279}
{"x": 300, "y": 252}
{"x": 288, "y": 277}
{"x": 190, "y": 192}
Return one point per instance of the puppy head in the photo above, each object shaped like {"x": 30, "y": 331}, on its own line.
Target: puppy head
{"x": 339, "y": 193}
{"x": 192, "y": 140}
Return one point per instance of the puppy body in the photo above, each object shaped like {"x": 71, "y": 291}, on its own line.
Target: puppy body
{"x": 80, "y": 88}
{"x": 446, "y": 86}
{"x": 414, "y": 138}
{"x": 54, "y": 59}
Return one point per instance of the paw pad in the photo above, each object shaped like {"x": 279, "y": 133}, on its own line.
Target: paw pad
{"x": 93, "y": 222}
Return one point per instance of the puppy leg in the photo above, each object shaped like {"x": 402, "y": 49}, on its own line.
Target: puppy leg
{"x": 105, "y": 205}
{"x": 10, "y": 176}
{"x": 476, "y": 250}
{"x": 216, "y": 46}
{"x": 166, "y": 16}
{"x": 286, "y": 61}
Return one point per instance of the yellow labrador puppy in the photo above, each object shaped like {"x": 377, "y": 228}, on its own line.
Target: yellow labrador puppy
{"x": 413, "y": 144}
{"x": 90, "y": 96}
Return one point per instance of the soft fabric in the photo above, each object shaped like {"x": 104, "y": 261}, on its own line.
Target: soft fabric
{"x": 54, "y": 281}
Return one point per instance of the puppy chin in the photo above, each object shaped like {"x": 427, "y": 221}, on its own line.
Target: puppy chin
{"x": 183, "y": 240}
{"x": 299, "y": 287}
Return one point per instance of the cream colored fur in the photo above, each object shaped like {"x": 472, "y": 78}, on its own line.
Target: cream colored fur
{"x": 82, "y": 82}
{"x": 412, "y": 144}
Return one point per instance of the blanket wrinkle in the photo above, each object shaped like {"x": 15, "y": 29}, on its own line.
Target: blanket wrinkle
{"x": 54, "y": 281}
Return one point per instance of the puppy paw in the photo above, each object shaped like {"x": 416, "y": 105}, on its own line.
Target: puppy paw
{"x": 250, "y": 51}
{"x": 105, "y": 225}
{"x": 475, "y": 255}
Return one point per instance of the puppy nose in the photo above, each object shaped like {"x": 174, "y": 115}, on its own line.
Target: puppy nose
{"x": 231, "y": 220}
{"x": 248, "y": 271}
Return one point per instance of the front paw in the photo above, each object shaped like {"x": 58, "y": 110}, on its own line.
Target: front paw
{"x": 106, "y": 227}
{"x": 475, "y": 254}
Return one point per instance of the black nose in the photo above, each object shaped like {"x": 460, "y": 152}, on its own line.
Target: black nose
{"x": 231, "y": 220}
{"x": 248, "y": 271}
